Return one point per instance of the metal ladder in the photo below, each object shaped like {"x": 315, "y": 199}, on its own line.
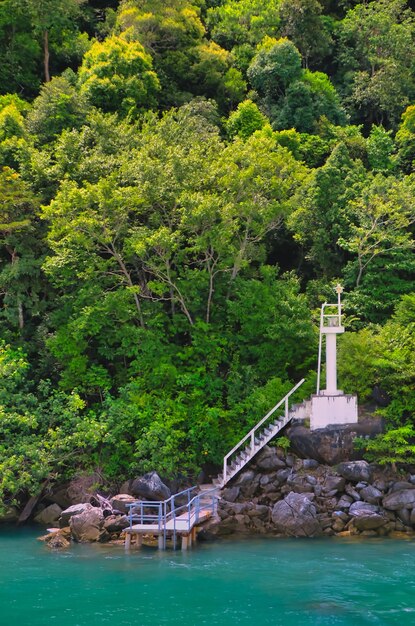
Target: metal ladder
{"x": 257, "y": 438}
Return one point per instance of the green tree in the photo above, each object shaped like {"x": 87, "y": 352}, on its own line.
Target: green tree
{"x": 58, "y": 106}
{"x": 376, "y": 39}
{"x": 245, "y": 120}
{"x": 380, "y": 218}
{"x": 241, "y": 25}
{"x": 117, "y": 75}
{"x": 321, "y": 218}
{"x": 302, "y": 23}
{"x": 20, "y": 52}
{"x": 49, "y": 17}
{"x": 405, "y": 140}
{"x": 20, "y": 249}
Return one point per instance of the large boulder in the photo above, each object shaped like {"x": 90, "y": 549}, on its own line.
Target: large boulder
{"x": 230, "y": 494}
{"x": 367, "y": 516}
{"x": 371, "y": 494}
{"x": 116, "y": 523}
{"x": 88, "y": 525}
{"x": 355, "y": 471}
{"x": 150, "y": 487}
{"x": 404, "y": 499}
{"x": 246, "y": 478}
{"x": 296, "y": 516}
{"x": 268, "y": 459}
{"x": 333, "y": 484}
{"x": 120, "y": 502}
{"x": 333, "y": 444}
{"x": 75, "y": 509}
{"x": 49, "y": 515}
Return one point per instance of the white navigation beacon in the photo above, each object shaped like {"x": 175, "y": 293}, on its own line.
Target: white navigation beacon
{"x": 331, "y": 406}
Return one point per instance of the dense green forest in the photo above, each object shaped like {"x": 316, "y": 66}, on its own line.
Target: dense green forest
{"x": 183, "y": 183}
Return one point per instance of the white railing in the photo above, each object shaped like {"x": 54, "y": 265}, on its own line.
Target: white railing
{"x": 253, "y": 432}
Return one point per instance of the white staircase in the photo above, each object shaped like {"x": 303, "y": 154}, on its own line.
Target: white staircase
{"x": 257, "y": 438}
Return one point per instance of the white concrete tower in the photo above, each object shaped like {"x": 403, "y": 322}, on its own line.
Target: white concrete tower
{"x": 331, "y": 405}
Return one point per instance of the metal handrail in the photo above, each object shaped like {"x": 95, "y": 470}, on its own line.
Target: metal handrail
{"x": 165, "y": 513}
{"x": 252, "y": 432}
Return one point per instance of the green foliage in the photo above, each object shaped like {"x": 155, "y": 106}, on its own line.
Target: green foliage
{"x": 395, "y": 446}
{"x": 380, "y": 149}
{"x": 162, "y": 293}
{"x": 357, "y": 362}
{"x": 58, "y": 106}
{"x": 283, "y": 442}
{"x": 245, "y": 120}
{"x": 405, "y": 140}
{"x": 376, "y": 40}
{"x": 274, "y": 68}
{"x": 117, "y": 75}
{"x": 302, "y": 23}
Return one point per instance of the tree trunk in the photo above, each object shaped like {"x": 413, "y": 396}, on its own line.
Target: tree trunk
{"x": 46, "y": 55}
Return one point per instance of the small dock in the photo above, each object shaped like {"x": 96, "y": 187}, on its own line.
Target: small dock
{"x": 179, "y": 517}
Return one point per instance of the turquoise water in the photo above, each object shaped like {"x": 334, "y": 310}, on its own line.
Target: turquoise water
{"x": 261, "y": 581}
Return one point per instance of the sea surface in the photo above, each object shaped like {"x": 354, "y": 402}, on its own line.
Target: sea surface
{"x": 283, "y": 582}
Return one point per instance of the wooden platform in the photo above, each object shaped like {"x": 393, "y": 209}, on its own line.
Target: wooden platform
{"x": 183, "y": 526}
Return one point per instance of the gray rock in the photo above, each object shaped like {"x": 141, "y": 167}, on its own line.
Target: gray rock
{"x": 332, "y": 444}
{"x": 290, "y": 460}
{"x": 361, "y": 485}
{"x": 260, "y": 510}
{"x": 345, "y": 502}
{"x": 341, "y": 515}
{"x": 49, "y": 515}
{"x": 380, "y": 484}
{"x": 405, "y": 516}
{"x": 371, "y": 494}
{"x": 116, "y": 523}
{"x": 120, "y": 501}
{"x": 270, "y": 463}
{"x": 268, "y": 459}
{"x": 312, "y": 480}
{"x": 298, "y": 483}
{"x": 75, "y": 509}
{"x": 334, "y": 483}
{"x": 367, "y": 516}
{"x": 412, "y": 479}
{"x": 352, "y": 493}
{"x": 87, "y": 526}
{"x": 296, "y": 516}
{"x": 283, "y": 474}
{"x": 400, "y": 485}
{"x": 355, "y": 471}
{"x": 245, "y": 478}
{"x": 150, "y": 487}
{"x": 230, "y": 494}
{"x": 310, "y": 464}
{"x": 265, "y": 480}
{"x": 404, "y": 499}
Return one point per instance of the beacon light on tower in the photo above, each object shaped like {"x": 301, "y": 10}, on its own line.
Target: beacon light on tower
{"x": 331, "y": 405}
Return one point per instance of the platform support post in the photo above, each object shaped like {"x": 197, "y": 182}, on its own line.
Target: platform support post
{"x": 185, "y": 542}
{"x": 127, "y": 541}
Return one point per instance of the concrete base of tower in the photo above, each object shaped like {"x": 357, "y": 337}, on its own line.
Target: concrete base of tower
{"x": 327, "y": 410}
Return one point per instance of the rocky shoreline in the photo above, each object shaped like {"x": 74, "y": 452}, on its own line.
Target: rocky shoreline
{"x": 283, "y": 495}
{"x": 279, "y": 494}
